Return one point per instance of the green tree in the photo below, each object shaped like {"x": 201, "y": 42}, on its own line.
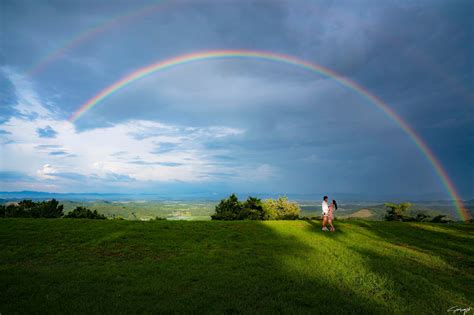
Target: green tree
{"x": 397, "y": 212}
{"x": 440, "y": 219}
{"x": 29, "y": 208}
{"x": 420, "y": 217}
{"x": 280, "y": 209}
{"x": 48, "y": 209}
{"x": 252, "y": 209}
{"x": 228, "y": 209}
{"x": 84, "y": 213}
{"x": 256, "y": 209}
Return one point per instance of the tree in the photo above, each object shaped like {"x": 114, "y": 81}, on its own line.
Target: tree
{"x": 252, "y": 209}
{"x": 84, "y": 213}
{"x": 440, "y": 219}
{"x": 48, "y": 209}
{"x": 397, "y": 212}
{"x": 228, "y": 209}
{"x": 32, "y": 209}
{"x": 281, "y": 209}
{"x": 420, "y": 217}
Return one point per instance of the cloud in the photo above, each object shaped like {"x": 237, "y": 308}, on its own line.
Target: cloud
{"x": 171, "y": 164}
{"x": 58, "y": 153}
{"x": 13, "y": 176}
{"x": 299, "y": 129}
{"x": 117, "y": 154}
{"x": 46, "y": 132}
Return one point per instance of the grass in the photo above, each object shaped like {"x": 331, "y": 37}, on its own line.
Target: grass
{"x": 87, "y": 266}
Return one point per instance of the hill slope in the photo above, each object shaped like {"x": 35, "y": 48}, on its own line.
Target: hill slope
{"x": 80, "y": 266}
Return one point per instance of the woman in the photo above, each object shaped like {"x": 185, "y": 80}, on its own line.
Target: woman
{"x": 332, "y": 208}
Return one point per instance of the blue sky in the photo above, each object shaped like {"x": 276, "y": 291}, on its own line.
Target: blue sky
{"x": 237, "y": 125}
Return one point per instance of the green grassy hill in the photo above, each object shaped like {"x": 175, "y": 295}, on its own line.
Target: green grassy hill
{"x": 110, "y": 266}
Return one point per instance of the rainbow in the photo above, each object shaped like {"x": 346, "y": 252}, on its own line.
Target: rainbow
{"x": 248, "y": 54}
{"x": 89, "y": 34}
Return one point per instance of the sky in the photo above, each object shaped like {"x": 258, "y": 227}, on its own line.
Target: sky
{"x": 236, "y": 125}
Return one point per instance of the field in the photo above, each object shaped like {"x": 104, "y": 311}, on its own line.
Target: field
{"x": 113, "y": 266}
{"x": 202, "y": 209}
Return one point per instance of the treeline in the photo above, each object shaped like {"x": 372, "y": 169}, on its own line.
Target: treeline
{"x": 45, "y": 209}
{"x": 256, "y": 209}
{"x": 400, "y": 212}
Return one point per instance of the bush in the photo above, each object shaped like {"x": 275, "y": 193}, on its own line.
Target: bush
{"x": 421, "y": 217}
{"x": 32, "y": 209}
{"x": 232, "y": 209}
{"x": 440, "y": 219}
{"x": 397, "y": 212}
{"x": 84, "y": 213}
{"x": 158, "y": 219}
{"x": 254, "y": 209}
{"x": 228, "y": 209}
{"x": 281, "y": 209}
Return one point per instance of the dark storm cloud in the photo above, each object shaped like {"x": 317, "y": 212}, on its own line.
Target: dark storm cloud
{"x": 415, "y": 56}
{"x": 8, "y": 98}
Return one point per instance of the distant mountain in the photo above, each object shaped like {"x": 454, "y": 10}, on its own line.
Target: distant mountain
{"x": 212, "y": 196}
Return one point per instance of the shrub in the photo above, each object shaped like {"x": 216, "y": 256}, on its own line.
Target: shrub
{"x": 158, "y": 219}
{"x": 280, "y": 209}
{"x": 32, "y": 209}
{"x": 84, "y": 213}
{"x": 420, "y": 217}
{"x": 254, "y": 209}
{"x": 228, "y": 209}
{"x": 397, "y": 212}
{"x": 440, "y": 219}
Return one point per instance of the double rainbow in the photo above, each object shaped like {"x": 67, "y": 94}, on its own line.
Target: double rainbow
{"x": 90, "y": 33}
{"x": 249, "y": 54}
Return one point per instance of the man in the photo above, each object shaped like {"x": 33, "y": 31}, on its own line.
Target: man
{"x": 325, "y": 209}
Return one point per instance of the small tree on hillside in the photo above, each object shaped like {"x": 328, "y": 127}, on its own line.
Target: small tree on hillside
{"x": 281, "y": 209}
{"x": 49, "y": 209}
{"x": 440, "y": 219}
{"x": 252, "y": 209}
{"x": 397, "y": 212}
{"x": 228, "y": 209}
{"x": 84, "y": 213}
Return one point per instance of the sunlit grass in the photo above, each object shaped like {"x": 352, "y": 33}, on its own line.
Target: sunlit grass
{"x": 81, "y": 266}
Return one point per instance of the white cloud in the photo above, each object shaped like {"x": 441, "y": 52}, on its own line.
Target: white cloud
{"x": 93, "y": 153}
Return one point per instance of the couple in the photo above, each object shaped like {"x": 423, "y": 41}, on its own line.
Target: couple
{"x": 328, "y": 214}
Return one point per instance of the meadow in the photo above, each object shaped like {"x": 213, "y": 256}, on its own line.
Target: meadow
{"x": 202, "y": 209}
{"x": 113, "y": 266}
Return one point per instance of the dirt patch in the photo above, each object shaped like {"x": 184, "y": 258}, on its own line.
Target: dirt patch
{"x": 363, "y": 213}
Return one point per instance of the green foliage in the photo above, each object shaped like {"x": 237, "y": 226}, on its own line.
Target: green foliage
{"x": 440, "y": 219}
{"x": 281, "y": 209}
{"x": 421, "y": 217}
{"x": 233, "y": 209}
{"x": 254, "y": 209}
{"x": 32, "y": 209}
{"x": 228, "y": 209}
{"x": 158, "y": 218}
{"x": 397, "y": 212}
{"x": 84, "y": 213}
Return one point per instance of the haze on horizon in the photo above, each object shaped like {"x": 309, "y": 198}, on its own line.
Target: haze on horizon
{"x": 237, "y": 125}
